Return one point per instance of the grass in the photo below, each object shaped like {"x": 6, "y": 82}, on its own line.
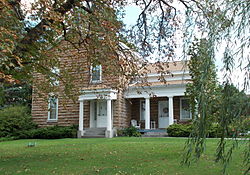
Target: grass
{"x": 108, "y": 156}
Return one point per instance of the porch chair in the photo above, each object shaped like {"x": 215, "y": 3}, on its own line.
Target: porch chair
{"x": 134, "y": 124}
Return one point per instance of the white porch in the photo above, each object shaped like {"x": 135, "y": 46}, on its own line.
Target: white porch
{"x": 164, "y": 105}
{"x": 100, "y": 110}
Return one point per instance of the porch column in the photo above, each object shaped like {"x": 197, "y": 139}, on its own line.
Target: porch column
{"x": 81, "y": 114}
{"x": 109, "y": 132}
{"x": 171, "y": 110}
{"x": 147, "y": 113}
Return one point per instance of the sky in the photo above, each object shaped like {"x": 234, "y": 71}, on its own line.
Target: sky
{"x": 237, "y": 77}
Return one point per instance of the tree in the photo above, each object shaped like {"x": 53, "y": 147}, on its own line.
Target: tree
{"x": 214, "y": 104}
{"x": 15, "y": 94}
{"x": 96, "y": 26}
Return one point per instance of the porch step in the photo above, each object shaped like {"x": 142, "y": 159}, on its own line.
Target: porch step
{"x": 94, "y": 132}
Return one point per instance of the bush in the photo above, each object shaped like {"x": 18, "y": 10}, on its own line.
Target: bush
{"x": 131, "y": 132}
{"x": 15, "y": 120}
{"x": 179, "y": 130}
{"x": 214, "y": 131}
{"x": 54, "y": 132}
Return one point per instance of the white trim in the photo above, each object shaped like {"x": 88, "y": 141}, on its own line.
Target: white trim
{"x": 48, "y": 118}
{"x": 155, "y": 91}
{"x": 171, "y": 110}
{"x": 183, "y": 119}
{"x": 184, "y": 72}
{"x": 142, "y": 100}
{"x": 81, "y": 117}
{"x": 147, "y": 113}
{"x": 92, "y": 121}
{"x": 169, "y": 78}
{"x": 109, "y": 119}
{"x": 98, "y": 94}
{"x": 95, "y": 81}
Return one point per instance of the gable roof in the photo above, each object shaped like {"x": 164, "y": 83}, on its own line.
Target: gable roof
{"x": 167, "y": 67}
{"x": 168, "y": 73}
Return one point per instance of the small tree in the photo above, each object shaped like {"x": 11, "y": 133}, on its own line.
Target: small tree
{"x": 212, "y": 104}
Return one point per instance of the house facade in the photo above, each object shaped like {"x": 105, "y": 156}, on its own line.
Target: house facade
{"x": 155, "y": 103}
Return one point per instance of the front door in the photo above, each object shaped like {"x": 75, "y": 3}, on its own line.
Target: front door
{"x": 101, "y": 111}
{"x": 163, "y": 114}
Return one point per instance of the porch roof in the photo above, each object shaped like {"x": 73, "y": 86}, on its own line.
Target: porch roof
{"x": 91, "y": 94}
{"x": 155, "y": 91}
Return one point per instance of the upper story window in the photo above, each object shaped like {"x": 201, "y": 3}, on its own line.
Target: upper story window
{"x": 96, "y": 73}
{"x": 55, "y": 72}
{"x": 185, "y": 112}
{"x": 53, "y": 108}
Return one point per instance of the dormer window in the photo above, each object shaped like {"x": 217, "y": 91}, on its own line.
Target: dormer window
{"x": 96, "y": 73}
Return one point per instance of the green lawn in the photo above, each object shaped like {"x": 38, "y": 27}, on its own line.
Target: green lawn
{"x": 108, "y": 156}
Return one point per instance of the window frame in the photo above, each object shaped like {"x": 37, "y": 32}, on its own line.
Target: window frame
{"x": 190, "y": 113}
{"x": 141, "y": 102}
{"x": 91, "y": 74}
{"x": 49, "y": 102}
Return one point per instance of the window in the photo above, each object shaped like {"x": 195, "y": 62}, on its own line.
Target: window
{"x": 96, "y": 74}
{"x": 142, "y": 110}
{"x": 185, "y": 112}
{"x": 54, "y": 81}
{"x": 53, "y": 109}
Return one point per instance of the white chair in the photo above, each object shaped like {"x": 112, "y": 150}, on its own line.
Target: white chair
{"x": 153, "y": 125}
{"x": 134, "y": 124}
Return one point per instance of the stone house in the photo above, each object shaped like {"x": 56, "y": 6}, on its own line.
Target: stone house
{"x": 104, "y": 108}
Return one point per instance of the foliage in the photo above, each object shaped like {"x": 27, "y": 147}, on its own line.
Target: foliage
{"x": 14, "y": 120}
{"x": 203, "y": 94}
{"x": 185, "y": 130}
{"x": 131, "y": 132}
{"x": 211, "y": 103}
{"x": 179, "y": 130}
{"x": 15, "y": 94}
{"x": 95, "y": 27}
{"x": 54, "y": 132}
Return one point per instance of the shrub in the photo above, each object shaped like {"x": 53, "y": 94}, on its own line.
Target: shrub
{"x": 131, "y": 132}
{"x": 120, "y": 132}
{"x": 179, "y": 130}
{"x": 214, "y": 131}
{"x": 14, "y": 120}
{"x": 54, "y": 132}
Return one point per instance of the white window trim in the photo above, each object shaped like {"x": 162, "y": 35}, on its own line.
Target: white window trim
{"x": 95, "y": 81}
{"x": 141, "y": 110}
{"x": 183, "y": 119}
{"x": 52, "y": 120}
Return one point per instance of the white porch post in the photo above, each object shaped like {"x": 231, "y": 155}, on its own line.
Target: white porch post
{"x": 171, "y": 110}
{"x": 147, "y": 113}
{"x": 109, "y": 120}
{"x": 81, "y": 114}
